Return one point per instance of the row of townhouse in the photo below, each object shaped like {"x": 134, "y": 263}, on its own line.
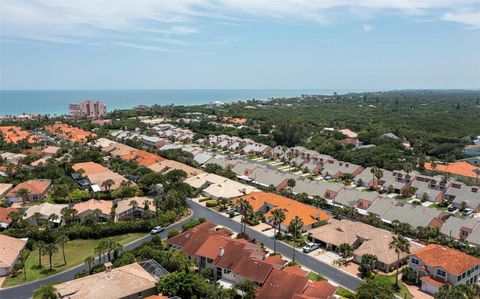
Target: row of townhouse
{"x": 69, "y": 132}
{"x": 173, "y": 133}
{"x": 236, "y": 260}
{"x": 236, "y": 144}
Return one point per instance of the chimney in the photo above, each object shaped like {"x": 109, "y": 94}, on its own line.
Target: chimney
{"x": 221, "y": 251}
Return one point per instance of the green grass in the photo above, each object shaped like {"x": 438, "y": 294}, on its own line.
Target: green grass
{"x": 344, "y": 293}
{"x": 401, "y": 197}
{"x": 75, "y": 251}
{"x": 390, "y": 280}
{"x": 438, "y": 207}
{"x": 315, "y": 276}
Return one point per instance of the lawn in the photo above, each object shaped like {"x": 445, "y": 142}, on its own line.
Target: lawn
{"x": 390, "y": 279}
{"x": 438, "y": 207}
{"x": 75, "y": 251}
{"x": 315, "y": 276}
{"x": 344, "y": 293}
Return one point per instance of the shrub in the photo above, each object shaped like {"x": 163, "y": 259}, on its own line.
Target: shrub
{"x": 203, "y": 199}
{"x": 212, "y": 203}
{"x": 80, "y": 274}
{"x": 192, "y": 223}
{"x": 173, "y": 233}
{"x": 408, "y": 276}
{"x": 231, "y": 214}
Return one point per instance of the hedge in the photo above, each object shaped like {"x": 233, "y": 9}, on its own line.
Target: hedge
{"x": 211, "y": 203}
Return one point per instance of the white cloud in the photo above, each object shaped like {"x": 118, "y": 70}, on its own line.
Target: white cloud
{"x": 142, "y": 47}
{"x": 90, "y": 21}
{"x": 367, "y": 28}
{"x": 472, "y": 19}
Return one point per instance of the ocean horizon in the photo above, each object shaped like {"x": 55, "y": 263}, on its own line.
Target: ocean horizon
{"x": 55, "y": 102}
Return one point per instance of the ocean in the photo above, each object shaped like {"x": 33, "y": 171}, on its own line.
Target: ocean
{"x": 55, "y": 102}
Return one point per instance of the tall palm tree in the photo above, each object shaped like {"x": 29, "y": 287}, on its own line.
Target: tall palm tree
{"x": 374, "y": 170}
{"x": 401, "y": 245}
{"x": 89, "y": 261}
{"x": 319, "y": 201}
{"x": 37, "y": 217}
{"x": 108, "y": 184}
{"x": 62, "y": 239}
{"x": 345, "y": 250}
{"x": 295, "y": 228}
{"x": 378, "y": 175}
{"x": 40, "y": 246}
{"x": 68, "y": 214}
{"x": 245, "y": 210}
{"x": 97, "y": 213}
{"x": 24, "y": 194}
{"x": 277, "y": 217}
{"x": 50, "y": 249}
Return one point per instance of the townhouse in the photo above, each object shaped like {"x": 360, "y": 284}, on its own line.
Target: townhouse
{"x": 363, "y": 238}
{"x": 14, "y": 134}
{"x": 463, "y": 196}
{"x": 69, "y": 132}
{"x": 436, "y": 265}
{"x": 323, "y": 189}
{"x": 357, "y": 199}
{"x": 268, "y": 177}
{"x": 340, "y": 169}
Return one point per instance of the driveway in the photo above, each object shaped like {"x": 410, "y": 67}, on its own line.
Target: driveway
{"x": 25, "y": 291}
{"x": 333, "y": 274}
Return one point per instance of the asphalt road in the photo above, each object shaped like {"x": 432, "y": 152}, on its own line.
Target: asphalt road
{"x": 346, "y": 280}
{"x": 26, "y": 290}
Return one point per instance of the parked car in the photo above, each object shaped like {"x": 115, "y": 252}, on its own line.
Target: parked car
{"x": 157, "y": 230}
{"x": 230, "y": 210}
{"x": 311, "y": 246}
{"x": 467, "y": 211}
{"x": 452, "y": 209}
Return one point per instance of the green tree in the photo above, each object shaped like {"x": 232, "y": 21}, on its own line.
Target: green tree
{"x": 62, "y": 239}
{"x": 367, "y": 264}
{"x": 247, "y": 289}
{"x": 40, "y": 246}
{"x": 89, "y": 261}
{"x": 107, "y": 185}
{"x": 374, "y": 289}
{"x": 24, "y": 194}
{"x": 245, "y": 210}
{"x": 134, "y": 204}
{"x": 295, "y": 229}
{"x": 345, "y": 251}
{"x": 50, "y": 250}
{"x": 401, "y": 245}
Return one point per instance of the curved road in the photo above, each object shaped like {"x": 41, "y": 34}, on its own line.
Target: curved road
{"x": 26, "y": 290}
{"x": 335, "y": 275}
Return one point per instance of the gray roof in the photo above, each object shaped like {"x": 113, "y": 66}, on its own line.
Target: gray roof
{"x": 342, "y": 167}
{"x": 269, "y": 177}
{"x": 240, "y": 168}
{"x": 350, "y": 197}
{"x": 316, "y": 188}
{"x": 474, "y": 237}
{"x": 452, "y": 226}
{"x": 365, "y": 175}
{"x": 404, "y": 212}
{"x": 202, "y": 158}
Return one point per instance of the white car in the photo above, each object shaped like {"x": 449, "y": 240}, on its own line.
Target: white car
{"x": 157, "y": 230}
{"x": 311, "y": 246}
{"x": 467, "y": 211}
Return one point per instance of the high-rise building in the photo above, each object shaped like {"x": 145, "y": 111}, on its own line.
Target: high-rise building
{"x": 89, "y": 109}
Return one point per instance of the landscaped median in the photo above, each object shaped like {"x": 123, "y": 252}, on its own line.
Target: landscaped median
{"x": 76, "y": 252}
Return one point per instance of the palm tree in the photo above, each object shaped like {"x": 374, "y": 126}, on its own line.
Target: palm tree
{"x": 245, "y": 210}
{"x": 401, "y": 245}
{"x": 40, "y": 246}
{"x": 97, "y": 213}
{"x": 51, "y": 249}
{"x": 89, "y": 261}
{"x": 277, "y": 217}
{"x": 37, "y": 217}
{"x": 99, "y": 251}
{"x": 108, "y": 184}
{"x": 319, "y": 201}
{"x": 24, "y": 194}
{"x": 134, "y": 204}
{"x": 368, "y": 263}
{"x": 374, "y": 170}
{"x": 345, "y": 251}
{"x": 62, "y": 239}
{"x": 378, "y": 175}
{"x": 295, "y": 228}
{"x": 68, "y": 214}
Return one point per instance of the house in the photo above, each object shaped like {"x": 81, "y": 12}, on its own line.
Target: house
{"x": 130, "y": 281}
{"x": 436, "y": 265}
{"x": 13, "y": 158}
{"x": 167, "y": 165}
{"x": 267, "y": 177}
{"x": 348, "y": 133}
{"x": 98, "y": 174}
{"x": 424, "y": 191}
{"x": 126, "y": 211}
{"x": 463, "y": 196}
{"x": 14, "y": 134}
{"x": 50, "y": 151}
{"x": 266, "y": 202}
{"x": 10, "y": 250}
{"x": 216, "y": 186}
{"x": 395, "y": 181}
{"x": 459, "y": 169}
{"x": 43, "y": 211}
{"x": 4, "y": 218}
{"x": 90, "y": 206}
{"x": 472, "y": 150}
{"x": 462, "y": 229}
{"x": 318, "y": 188}
{"x": 367, "y": 179}
{"x": 339, "y": 169}
{"x": 68, "y": 132}
{"x": 4, "y": 189}
{"x": 473, "y": 160}
{"x": 362, "y": 237}
{"x": 37, "y": 189}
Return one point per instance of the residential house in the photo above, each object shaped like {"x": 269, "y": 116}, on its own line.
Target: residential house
{"x": 14, "y": 134}
{"x": 37, "y": 189}
{"x": 357, "y": 199}
{"x": 4, "y": 189}
{"x": 268, "y": 177}
{"x": 266, "y": 202}
{"x": 126, "y": 211}
{"x": 462, "y": 229}
{"x": 130, "y": 281}
{"x": 463, "y": 196}
{"x": 168, "y": 165}
{"x": 424, "y": 191}
{"x": 339, "y": 169}
{"x": 98, "y": 174}
{"x": 90, "y": 206}
{"x": 318, "y": 188}
{"x": 70, "y": 133}
{"x": 436, "y": 265}
{"x": 37, "y": 214}
{"x": 363, "y": 238}
{"x": 50, "y": 151}
{"x": 215, "y": 186}
{"x": 10, "y": 250}
{"x": 459, "y": 169}
{"x": 367, "y": 179}
{"x": 4, "y": 218}
{"x": 13, "y": 158}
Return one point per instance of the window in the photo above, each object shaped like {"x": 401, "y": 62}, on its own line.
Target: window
{"x": 140, "y": 295}
{"x": 441, "y": 273}
{"x": 459, "y": 277}
{"x": 415, "y": 261}
{"x": 226, "y": 271}
{"x": 463, "y": 275}
{"x": 209, "y": 260}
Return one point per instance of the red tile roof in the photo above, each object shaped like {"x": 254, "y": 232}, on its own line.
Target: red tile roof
{"x": 4, "y": 214}
{"x": 36, "y": 187}
{"x": 276, "y": 261}
{"x": 14, "y": 134}
{"x": 320, "y": 289}
{"x": 459, "y": 168}
{"x": 280, "y": 284}
{"x": 453, "y": 261}
{"x": 296, "y": 270}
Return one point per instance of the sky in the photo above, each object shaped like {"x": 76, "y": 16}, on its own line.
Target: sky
{"x": 239, "y": 44}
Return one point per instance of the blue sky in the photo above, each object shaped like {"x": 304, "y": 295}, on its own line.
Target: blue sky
{"x": 335, "y": 44}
